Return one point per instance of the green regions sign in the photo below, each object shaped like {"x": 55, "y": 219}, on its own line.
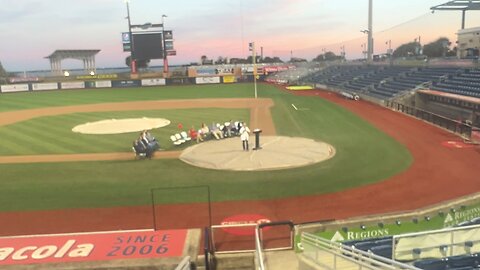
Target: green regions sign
{"x": 462, "y": 215}
{"x": 426, "y": 223}
{"x": 356, "y": 234}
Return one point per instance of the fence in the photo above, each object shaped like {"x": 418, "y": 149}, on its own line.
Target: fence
{"x": 333, "y": 255}
{"x": 454, "y": 126}
{"x": 437, "y": 244}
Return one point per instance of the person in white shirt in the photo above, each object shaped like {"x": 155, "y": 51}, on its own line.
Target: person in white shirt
{"x": 244, "y": 135}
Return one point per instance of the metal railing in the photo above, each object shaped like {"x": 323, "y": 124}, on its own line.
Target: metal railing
{"x": 313, "y": 245}
{"x": 215, "y": 227}
{"x": 437, "y": 244}
{"x": 436, "y": 119}
{"x": 259, "y": 256}
{"x": 185, "y": 264}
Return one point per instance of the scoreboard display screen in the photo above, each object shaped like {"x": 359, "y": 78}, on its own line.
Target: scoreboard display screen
{"x": 147, "y": 46}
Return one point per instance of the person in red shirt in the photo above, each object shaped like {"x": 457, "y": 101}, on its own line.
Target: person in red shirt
{"x": 193, "y": 133}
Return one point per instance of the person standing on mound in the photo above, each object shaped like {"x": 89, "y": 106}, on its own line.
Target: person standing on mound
{"x": 244, "y": 135}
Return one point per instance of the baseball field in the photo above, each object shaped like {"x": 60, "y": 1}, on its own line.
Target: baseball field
{"x": 54, "y": 180}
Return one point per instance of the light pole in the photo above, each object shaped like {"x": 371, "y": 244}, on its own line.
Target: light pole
{"x": 364, "y": 50}
{"x": 133, "y": 68}
{"x": 370, "y": 33}
{"x": 254, "y": 55}
{"x": 165, "y": 59}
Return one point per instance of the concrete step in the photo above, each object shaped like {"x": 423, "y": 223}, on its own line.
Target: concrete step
{"x": 326, "y": 261}
{"x": 281, "y": 260}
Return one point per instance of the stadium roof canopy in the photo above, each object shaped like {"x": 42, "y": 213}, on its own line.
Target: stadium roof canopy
{"x": 461, "y": 5}
{"x": 75, "y": 54}
{"x": 87, "y": 56}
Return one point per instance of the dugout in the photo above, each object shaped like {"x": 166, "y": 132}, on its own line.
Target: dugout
{"x": 464, "y": 109}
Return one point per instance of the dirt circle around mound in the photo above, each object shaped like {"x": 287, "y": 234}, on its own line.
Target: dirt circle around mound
{"x": 275, "y": 153}
{"x": 117, "y": 126}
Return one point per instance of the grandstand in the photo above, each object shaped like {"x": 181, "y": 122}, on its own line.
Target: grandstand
{"x": 387, "y": 82}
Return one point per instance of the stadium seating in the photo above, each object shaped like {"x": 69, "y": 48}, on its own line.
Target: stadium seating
{"x": 387, "y": 82}
{"x": 383, "y": 250}
{"x": 462, "y": 261}
{"x": 431, "y": 264}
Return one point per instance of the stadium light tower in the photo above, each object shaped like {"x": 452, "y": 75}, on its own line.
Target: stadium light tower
{"x": 165, "y": 59}
{"x": 133, "y": 68}
{"x": 370, "y": 31}
{"x": 251, "y": 47}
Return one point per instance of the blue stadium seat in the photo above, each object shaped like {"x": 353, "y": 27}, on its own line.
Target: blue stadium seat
{"x": 462, "y": 261}
{"x": 383, "y": 250}
{"x": 365, "y": 246}
{"x": 463, "y": 268}
{"x": 431, "y": 264}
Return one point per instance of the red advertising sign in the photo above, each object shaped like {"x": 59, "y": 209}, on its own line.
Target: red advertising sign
{"x": 91, "y": 247}
{"x": 244, "y": 219}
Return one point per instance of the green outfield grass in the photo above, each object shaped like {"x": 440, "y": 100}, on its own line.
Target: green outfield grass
{"x": 364, "y": 154}
{"x": 31, "y": 100}
{"x": 53, "y": 134}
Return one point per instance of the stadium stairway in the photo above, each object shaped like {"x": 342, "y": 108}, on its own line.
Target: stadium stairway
{"x": 285, "y": 259}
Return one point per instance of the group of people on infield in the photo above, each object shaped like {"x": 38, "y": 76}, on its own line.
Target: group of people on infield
{"x": 222, "y": 130}
{"x": 145, "y": 144}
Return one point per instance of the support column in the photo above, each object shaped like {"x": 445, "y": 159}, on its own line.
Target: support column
{"x": 94, "y": 66}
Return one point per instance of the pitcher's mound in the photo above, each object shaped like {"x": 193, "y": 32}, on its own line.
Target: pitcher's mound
{"x": 117, "y": 126}
{"x": 276, "y": 153}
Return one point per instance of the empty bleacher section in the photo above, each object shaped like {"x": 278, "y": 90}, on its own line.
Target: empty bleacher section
{"x": 453, "y": 249}
{"x": 465, "y": 83}
{"x": 385, "y": 82}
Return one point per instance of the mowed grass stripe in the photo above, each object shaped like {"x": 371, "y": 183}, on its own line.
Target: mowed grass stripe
{"x": 39, "y": 139}
{"x": 54, "y": 135}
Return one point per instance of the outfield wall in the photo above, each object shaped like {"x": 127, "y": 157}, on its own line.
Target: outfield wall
{"x": 36, "y": 86}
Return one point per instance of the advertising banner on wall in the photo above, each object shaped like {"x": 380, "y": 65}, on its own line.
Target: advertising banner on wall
{"x": 72, "y": 85}
{"x": 206, "y": 80}
{"x": 97, "y": 76}
{"x": 103, "y": 84}
{"x": 229, "y": 79}
{"x": 168, "y": 45}
{"x": 126, "y": 83}
{"x": 168, "y": 34}
{"x": 278, "y": 68}
{"x": 44, "y": 86}
{"x": 206, "y": 71}
{"x": 153, "y": 82}
{"x": 14, "y": 88}
{"x": 88, "y": 247}
{"x": 23, "y": 79}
